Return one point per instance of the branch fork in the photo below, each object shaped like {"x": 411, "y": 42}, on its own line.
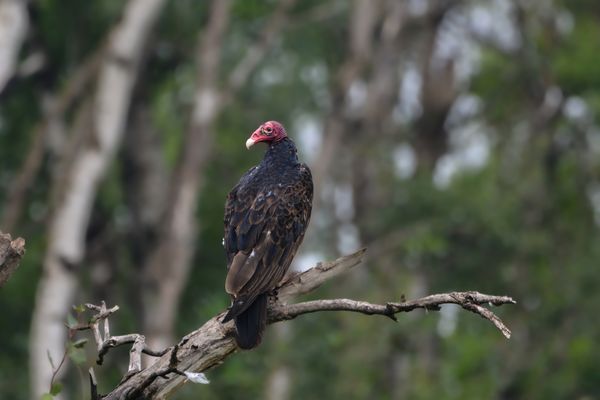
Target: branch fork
{"x": 212, "y": 343}
{"x": 105, "y": 342}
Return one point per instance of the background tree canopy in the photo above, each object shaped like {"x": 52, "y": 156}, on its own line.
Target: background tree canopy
{"x": 458, "y": 140}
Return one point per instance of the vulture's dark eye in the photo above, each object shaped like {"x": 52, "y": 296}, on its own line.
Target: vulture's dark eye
{"x": 268, "y": 130}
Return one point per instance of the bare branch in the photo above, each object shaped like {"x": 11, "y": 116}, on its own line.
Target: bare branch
{"x": 135, "y": 358}
{"x": 104, "y": 344}
{"x": 471, "y": 301}
{"x": 93, "y": 385}
{"x": 212, "y": 343}
{"x": 312, "y": 278}
{"x": 487, "y": 314}
{"x": 11, "y": 252}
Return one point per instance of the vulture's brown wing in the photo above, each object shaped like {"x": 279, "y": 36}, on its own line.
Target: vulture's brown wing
{"x": 262, "y": 233}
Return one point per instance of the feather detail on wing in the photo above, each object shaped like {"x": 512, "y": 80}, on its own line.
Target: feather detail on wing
{"x": 263, "y": 230}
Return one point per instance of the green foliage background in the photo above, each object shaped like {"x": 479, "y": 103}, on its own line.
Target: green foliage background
{"x": 523, "y": 224}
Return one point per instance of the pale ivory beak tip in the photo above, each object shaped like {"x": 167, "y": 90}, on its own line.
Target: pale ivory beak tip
{"x": 249, "y": 143}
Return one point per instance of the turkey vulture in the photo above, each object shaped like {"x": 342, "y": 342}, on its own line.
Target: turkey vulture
{"x": 266, "y": 215}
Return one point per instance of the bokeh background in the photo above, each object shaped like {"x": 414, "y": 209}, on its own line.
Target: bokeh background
{"x": 457, "y": 140}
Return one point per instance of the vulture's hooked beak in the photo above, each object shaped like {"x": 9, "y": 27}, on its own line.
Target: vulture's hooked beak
{"x": 254, "y": 138}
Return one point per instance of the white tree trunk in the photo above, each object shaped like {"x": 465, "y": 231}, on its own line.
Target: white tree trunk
{"x": 279, "y": 381}
{"x": 13, "y": 28}
{"x": 66, "y": 239}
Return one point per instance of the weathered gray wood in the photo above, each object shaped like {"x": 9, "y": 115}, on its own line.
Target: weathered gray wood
{"x": 11, "y": 252}
{"x": 212, "y": 343}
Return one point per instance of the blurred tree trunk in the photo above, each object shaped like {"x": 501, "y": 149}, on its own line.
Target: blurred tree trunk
{"x": 340, "y": 121}
{"x": 13, "y": 29}
{"x": 375, "y": 128}
{"x": 146, "y": 182}
{"x": 167, "y": 268}
{"x": 48, "y": 134}
{"x": 362, "y": 22}
{"x": 279, "y": 381}
{"x": 438, "y": 92}
{"x": 361, "y": 25}
{"x": 77, "y": 189}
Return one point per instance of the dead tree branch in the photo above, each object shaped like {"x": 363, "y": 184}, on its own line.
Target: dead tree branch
{"x": 471, "y": 301}
{"x": 106, "y": 342}
{"x": 11, "y": 252}
{"x": 210, "y": 345}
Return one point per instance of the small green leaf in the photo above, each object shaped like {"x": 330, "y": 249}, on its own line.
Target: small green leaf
{"x": 56, "y": 388}
{"x": 79, "y": 343}
{"x": 77, "y": 355}
{"x": 71, "y": 321}
{"x": 79, "y": 308}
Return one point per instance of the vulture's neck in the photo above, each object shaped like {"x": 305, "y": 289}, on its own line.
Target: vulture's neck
{"x": 281, "y": 153}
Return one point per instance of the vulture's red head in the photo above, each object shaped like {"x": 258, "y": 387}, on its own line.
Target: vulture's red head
{"x": 270, "y": 131}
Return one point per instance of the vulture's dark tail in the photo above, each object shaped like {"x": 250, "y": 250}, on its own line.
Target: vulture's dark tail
{"x": 251, "y": 323}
